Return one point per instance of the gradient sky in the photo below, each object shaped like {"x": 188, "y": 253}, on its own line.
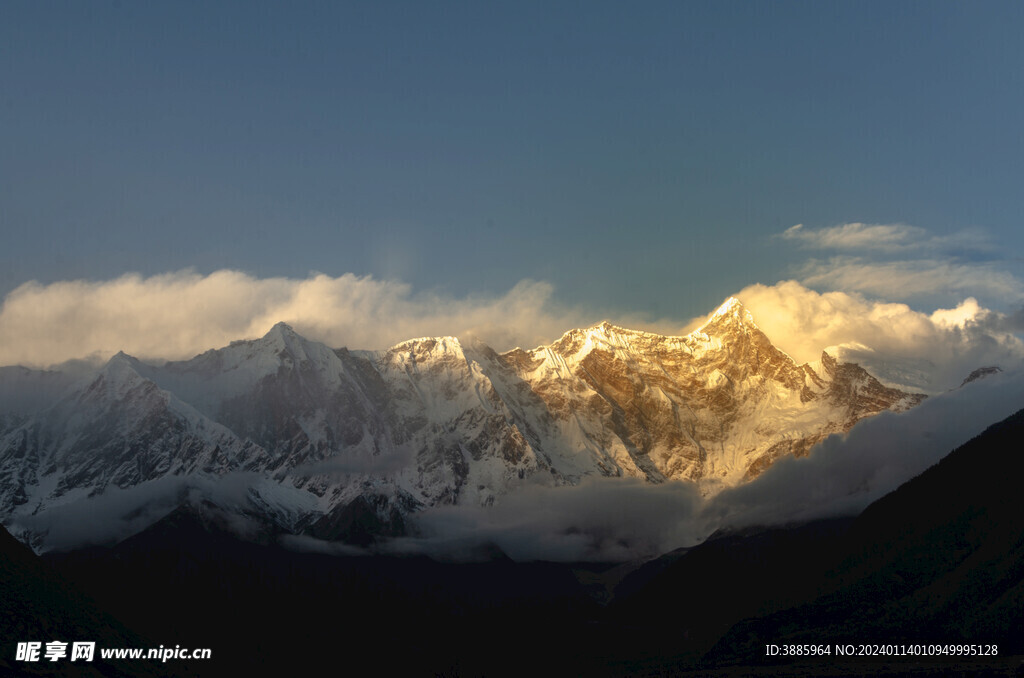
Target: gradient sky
{"x": 643, "y": 158}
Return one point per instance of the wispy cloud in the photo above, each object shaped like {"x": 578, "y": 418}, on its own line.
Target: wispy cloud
{"x": 882, "y": 237}
{"x": 899, "y": 262}
{"x": 909, "y": 279}
{"x": 600, "y": 519}
{"x": 887, "y": 238}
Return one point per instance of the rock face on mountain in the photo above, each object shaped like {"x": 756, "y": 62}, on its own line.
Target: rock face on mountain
{"x": 331, "y": 439}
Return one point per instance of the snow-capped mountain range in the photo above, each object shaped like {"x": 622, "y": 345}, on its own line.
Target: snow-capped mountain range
{"x": 332, "y": 439}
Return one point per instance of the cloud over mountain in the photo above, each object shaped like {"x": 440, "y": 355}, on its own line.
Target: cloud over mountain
{"x": 178, "y": 315}
{"x": 944, "y": 345}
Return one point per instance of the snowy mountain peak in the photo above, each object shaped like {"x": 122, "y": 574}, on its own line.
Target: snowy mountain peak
{"x": 429, "y": 345}
{"x": 730, "y": 305}
{"x": 427, "y": 353}
{"x": 287, "y": 344}
{"x": 605, "y": 331}
{"x": 281, "y": 327}
{"x": 281, "y": 333}
{"x": 114, "y": 381}
{"x": 120, "y": 366}
{"x": 734, "y": 309}
{"x": 612, "y": 338}
{"x": 731, "y": 314}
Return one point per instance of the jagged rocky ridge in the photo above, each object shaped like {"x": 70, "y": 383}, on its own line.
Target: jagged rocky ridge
{"x": 346, "y": 444}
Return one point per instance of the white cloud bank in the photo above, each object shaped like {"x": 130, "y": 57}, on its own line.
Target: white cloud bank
{"x": 930, "y": 352}
{"x": 178, "y": 315}
{"x": 887, "y": 262}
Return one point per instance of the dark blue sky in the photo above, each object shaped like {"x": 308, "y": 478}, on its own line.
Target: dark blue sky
{"x": 640, "y": 157}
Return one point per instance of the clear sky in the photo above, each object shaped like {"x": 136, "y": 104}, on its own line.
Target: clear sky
{"x": 644, "y": 159}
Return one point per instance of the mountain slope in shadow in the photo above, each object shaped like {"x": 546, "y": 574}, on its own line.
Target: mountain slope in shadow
{"x": 939, "y": 560}
{"x": 37, "y": 604}
{"x": 262, "y": 608}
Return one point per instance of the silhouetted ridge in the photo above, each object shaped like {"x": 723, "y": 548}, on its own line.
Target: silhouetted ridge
{"x": 940, "y": 559}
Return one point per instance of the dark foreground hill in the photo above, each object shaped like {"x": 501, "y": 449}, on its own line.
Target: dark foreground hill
{"x": 37, "y": 604}
{"x": 267, "y": 610}
{"x": 938, "y": 561}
